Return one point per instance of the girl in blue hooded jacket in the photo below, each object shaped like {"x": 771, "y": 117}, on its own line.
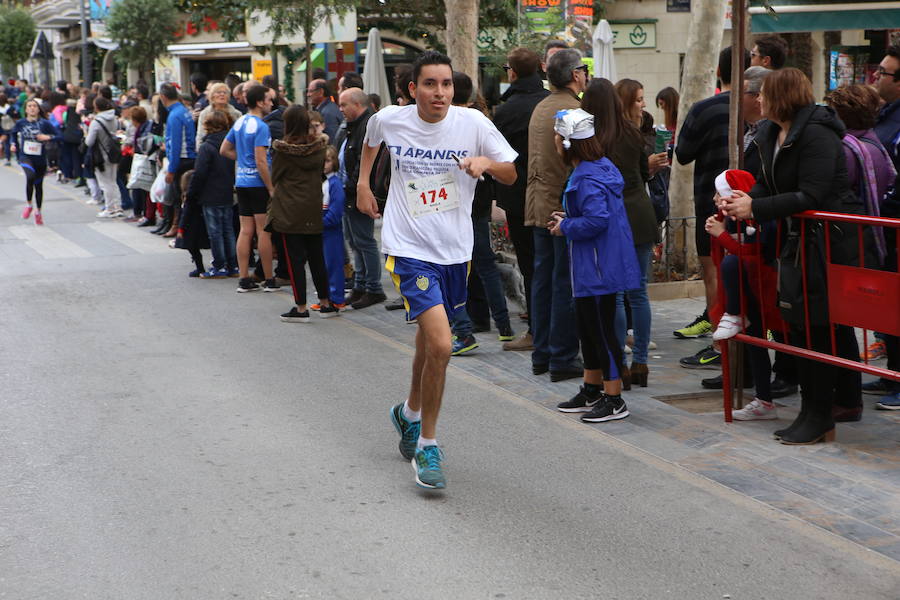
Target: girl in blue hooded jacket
{"x": 602, "y": 262}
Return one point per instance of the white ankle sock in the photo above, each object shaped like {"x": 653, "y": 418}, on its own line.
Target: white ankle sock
{"x": 425, "y": 442}
{"x": 410, "y": 415}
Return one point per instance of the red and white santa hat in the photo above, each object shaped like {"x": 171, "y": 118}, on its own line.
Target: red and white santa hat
{"x": 734, "y": 179}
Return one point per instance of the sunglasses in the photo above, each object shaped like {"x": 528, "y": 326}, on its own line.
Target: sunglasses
{"x": 582, "y": 68}
{"x": 506, "y": 68}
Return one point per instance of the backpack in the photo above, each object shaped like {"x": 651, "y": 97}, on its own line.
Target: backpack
{"x": 113, "y": 147}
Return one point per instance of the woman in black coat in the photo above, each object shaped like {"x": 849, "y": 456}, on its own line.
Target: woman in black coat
{"x": 803, "y": 169}
{"x": 210, "y": 197}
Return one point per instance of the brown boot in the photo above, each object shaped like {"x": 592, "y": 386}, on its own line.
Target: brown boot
{"x": 626, "y": 378}
{"x": 639, "y": 374}
{"x": 176, "y": 217}
{"x": 523, "y": 344}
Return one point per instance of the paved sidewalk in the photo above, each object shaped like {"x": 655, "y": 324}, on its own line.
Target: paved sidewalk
{"x": 849, "y": 488}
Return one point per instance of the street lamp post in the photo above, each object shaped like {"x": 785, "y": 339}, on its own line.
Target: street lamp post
{"x": 86, "y": 69}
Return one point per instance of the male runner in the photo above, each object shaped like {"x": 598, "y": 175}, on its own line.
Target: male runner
{"x": 427, "y": 232}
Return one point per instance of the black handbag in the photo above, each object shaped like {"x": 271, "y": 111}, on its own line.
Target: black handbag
{"x": 790, "y": 275}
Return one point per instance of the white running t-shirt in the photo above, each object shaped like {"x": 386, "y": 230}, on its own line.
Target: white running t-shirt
{"x": 428, "y": 215}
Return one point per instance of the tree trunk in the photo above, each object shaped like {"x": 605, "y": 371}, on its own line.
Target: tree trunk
{"x": 801, "y": 52}
{"x": 698, "y": 82}
{"x": 462, "y": 30}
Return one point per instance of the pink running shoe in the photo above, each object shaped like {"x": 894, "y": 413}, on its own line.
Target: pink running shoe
{"x": 38, "y": 219}
{"x": 27, "y": 212}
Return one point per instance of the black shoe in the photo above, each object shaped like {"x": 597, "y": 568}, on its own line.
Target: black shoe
{"x": 480, "y": 327}
{"x": 505, "y": 333}
{"x": 247, "y": 285}
{"x": 161, "y": 228}
{"x": 708, "y": 358}
{"x": 573, "y": 371}
{"x": 715, "y": 383}
{"x": 270, "y": 285}
{"x": 326, "y": 312}
{"x": 811, "y": 431}
{"x": 146, "y": 223}
{"x": 610, "y": 408}
{"x": 367, "y": 300}
{"x": 581, "y": 402}
{"x": 540, "y": 369}
{"x": 397, "y": 304}
{"x": 81, "y": 181}
{"x": 781, "y": 388}
{"x": 355, "y": 295}
{"x": 295, "y": 316}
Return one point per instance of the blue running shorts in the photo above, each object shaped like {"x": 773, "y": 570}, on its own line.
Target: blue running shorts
{"x": 423, "y": 284}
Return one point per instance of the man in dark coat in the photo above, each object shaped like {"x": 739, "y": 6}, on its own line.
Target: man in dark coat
{"x": 359, "y": 228}
{"x": 511, "y": 119}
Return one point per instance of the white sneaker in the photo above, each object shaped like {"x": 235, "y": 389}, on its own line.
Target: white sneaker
{"x": 117, "y": 214}
{"x": 91, "y": 201}
{"x": 729, "y": 326}
{"x": 755, "y": 411}
{"x": 105, "y": 214}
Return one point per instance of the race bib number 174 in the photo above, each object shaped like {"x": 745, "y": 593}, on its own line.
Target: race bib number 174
{"x": 430, "y": 195}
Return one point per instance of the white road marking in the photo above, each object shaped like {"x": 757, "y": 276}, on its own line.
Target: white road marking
{"x": 128, "y": 235}
{"x": 48, "y": 243}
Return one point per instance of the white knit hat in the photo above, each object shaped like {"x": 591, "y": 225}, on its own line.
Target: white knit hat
{"x": 574, "y": 124}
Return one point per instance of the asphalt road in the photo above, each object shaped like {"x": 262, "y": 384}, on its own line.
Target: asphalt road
{"x": 162, "y": 437}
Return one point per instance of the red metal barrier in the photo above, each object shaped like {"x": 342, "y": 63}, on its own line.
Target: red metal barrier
{"x": 858, "y": 296}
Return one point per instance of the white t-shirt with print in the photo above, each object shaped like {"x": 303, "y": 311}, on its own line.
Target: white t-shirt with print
{"x": 428, "y": 215}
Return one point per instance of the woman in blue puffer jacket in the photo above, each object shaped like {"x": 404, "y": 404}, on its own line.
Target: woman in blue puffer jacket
{"x": 602, "y": 262}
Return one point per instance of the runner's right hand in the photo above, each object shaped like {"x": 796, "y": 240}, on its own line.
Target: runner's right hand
{"x": 365, "y": 202}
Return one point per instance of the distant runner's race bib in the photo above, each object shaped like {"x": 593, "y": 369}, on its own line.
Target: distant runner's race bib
{"x": 32, "y": 148}
{"x": 433, "y": 194}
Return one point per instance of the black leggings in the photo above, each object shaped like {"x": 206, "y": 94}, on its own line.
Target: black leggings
{"x": 34, "y": 182}
{"x": 299, "y": 249}
{"x": 596, "y": 316}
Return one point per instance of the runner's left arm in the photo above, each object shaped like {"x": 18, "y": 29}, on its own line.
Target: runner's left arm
{"x": 476, "y": 166}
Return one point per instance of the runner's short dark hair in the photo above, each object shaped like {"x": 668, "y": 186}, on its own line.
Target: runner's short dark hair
{"x": 429, "y": 57}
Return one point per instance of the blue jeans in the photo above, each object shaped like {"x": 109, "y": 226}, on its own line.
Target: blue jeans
{"x": 640, "y": 309}
{"x": 359, "y": 230}
{"x": 69, "y": 160}
{"x": 553, "y": 321}
{"x": 220, "y": 227}
{"x": 484, "y": 263}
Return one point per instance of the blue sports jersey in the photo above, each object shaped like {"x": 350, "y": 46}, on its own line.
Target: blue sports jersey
{"x": 247, "y": 133}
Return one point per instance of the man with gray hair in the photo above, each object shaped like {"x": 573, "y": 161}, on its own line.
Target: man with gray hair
{"x": 553, "y": 321}
{"x": 359, "y": 228}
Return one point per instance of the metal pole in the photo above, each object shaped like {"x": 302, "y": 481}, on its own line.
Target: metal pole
{"x": 275, "y": 63}
{"x": 86, "y": 69}
{"x": 733, "y": 382}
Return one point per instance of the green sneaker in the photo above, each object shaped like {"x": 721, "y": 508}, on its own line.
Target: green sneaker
{"x": 408, "y": 430}
{"x": 427, "y": 464}
{"x": 699, "y": 328}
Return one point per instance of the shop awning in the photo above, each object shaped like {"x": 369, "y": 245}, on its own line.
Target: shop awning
{"x": 318, "y": 60}
{"x": 823, "y": 15}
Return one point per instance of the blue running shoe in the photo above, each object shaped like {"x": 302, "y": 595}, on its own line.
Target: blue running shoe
{"x": 891, "y": 402}
{"x": 409, "y": 431}
{"x": 427, "y": 463}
